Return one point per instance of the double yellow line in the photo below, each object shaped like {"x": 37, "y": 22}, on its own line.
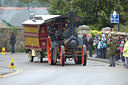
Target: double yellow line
{"x": 16, "y": 71}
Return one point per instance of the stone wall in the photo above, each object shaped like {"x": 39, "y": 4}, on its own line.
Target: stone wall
{"x": 107, "y": 31}
{"x": 5, "y": 38}
{"x": 83, "y": 29}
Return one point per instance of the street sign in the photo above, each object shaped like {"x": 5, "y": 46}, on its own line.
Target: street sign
{"x": 114, "y": 18}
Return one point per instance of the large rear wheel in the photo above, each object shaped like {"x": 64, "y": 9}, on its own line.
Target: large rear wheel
{"x": 31, "y": 58}
{"x": 62, "y": 56}
{"x": 84, "y": 57}
{"x": 49, "y": 51}
{"x": 54, "y": 54}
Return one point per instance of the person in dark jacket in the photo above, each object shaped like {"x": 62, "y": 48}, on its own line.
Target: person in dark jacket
{"x": 90, "y": 44}
{"x": 85, "y": 40}
{"x": 112, "y": 51}
{"x": 118, "y": 50}
{"x": 12, "y": 42}
{"x": 121, "y": 44}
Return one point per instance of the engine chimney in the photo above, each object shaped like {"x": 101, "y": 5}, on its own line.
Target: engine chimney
{"x": 72, "y": 22}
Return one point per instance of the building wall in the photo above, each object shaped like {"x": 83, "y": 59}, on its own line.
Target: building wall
{"x": 5, "y": 38}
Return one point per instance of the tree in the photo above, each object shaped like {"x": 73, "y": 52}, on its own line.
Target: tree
{"x": 93, "y": 11}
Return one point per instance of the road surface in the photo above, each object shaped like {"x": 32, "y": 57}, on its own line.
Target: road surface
{"x": 34, "y": 73}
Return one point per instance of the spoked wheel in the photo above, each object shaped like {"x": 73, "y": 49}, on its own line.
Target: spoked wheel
{"x": 54, "y": 53}
{"x": 62, "y": 56}
{"x": 30, "y": 56}
{"x": 40, "y": 59}
{"x": 49, "y": 51}
{"x": 84, "y": 57}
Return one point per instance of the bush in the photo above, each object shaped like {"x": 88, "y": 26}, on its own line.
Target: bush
{"x": 93, "y": 32}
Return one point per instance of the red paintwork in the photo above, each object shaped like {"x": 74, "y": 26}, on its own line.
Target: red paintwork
{"x": 41, "y": 35}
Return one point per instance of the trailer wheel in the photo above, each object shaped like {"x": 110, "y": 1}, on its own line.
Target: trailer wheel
{"x": 49, "y": 51}
{"x": 62, "y": 56}
{"x": 84, "y": 57}
{"x": 31, "y": 58}
{"x": 40, "y": 59}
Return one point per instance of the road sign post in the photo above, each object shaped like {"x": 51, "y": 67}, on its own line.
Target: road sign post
{"x": 114, "y": 18}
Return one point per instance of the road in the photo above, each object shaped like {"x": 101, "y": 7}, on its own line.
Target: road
{"x": 34, "y": 73}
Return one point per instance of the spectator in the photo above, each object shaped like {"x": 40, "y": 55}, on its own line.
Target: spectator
{"x": 85, "y": 40}
{"x": 96, "y": 40}
{"x": 110, "y": 38}
{"x": 121, "y": 44}
{"x": 12, "y": 42}
{"x": 103, "y": 45}
{"x": 90, "y": 44}
{"x": 125, "y": 52}
{"x": 99, "y": 48}
{"x": 112, "y": 51}
{"x": 118, "y": 48}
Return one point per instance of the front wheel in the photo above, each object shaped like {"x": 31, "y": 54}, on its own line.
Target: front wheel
{"x": 62, "y": 56}
{"x": 84, "y": 57}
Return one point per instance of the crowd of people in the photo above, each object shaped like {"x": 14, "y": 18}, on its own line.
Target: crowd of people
{"x": 116, "y": 48}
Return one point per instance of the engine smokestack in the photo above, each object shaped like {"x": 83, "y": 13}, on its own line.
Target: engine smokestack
{"x": 72, "y": 22}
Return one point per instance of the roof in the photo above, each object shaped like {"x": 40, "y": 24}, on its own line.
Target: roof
{"x": 3, "y": 25}
{"x": 76, "y": 18}
{"x": 39, "y": 21}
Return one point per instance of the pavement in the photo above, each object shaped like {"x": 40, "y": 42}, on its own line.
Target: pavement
{"x": 104, "y": 60}
{"x": 6, "y": 70}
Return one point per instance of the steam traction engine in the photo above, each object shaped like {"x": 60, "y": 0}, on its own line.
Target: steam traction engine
{"x": 54, "y": 36}
{"x": 63, "y": 41}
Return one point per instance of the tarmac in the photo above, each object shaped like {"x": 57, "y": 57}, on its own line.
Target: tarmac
{"x": 6, "y": 70}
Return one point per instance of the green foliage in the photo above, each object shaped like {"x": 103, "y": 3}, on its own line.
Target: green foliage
{"x": 93, "y": 32}
{"x": 94, "y": 27}
{"x": 94, "y": 12}
{"x": 122, "y": 28}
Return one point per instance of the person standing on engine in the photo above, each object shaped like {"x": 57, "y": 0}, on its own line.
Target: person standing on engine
{"x": 52, "y": 31}
{"x": 90, "y": 44}
{"x": 12, "y": 42}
